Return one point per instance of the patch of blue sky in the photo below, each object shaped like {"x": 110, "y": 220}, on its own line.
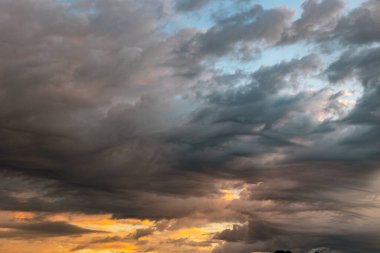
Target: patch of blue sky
{"x": 73, "y": 7}
{"x": 207, "y": 16}
{"x": 295, "y": 5}
{"x": 276, "y": 55}
{"x": 65, "y": 1}
{"x": 267, "y": 57}
{"x": 352, "y": 4}
{"x": 200, "y": 20}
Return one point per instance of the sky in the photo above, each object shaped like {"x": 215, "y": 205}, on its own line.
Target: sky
{"x": 189, "y": 126}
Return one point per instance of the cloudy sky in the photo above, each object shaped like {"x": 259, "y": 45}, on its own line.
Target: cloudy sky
{"x": 189, "y": 126}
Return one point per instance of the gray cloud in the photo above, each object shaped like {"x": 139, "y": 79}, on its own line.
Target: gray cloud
{"x": 361, "y": 26}
{"x": 190, "y": 5}
{"x": 361, "y": 64}
{"x": 43, "y": 229}
{"x": 141, "y": 233}
{"x": 104, "y": 112}
{"x": 255, "y": 230}
{"x": 258, "y": 235}
{"x": 256, "y": 25}
{"x": 317, "y": 17}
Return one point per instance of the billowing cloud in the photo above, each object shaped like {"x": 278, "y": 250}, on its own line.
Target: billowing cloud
{"x": 235, "y": 127}
{"x": 361, "y": 26}
{"x": 255, "y": 25}
{"x": 318, "y": 17}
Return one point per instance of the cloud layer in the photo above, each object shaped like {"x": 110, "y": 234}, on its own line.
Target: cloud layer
{"x": 122, "y": 108}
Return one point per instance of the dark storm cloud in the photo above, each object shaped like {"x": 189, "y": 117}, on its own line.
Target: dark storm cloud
{"x": 122, "y": 203}
{"x": 258, "y": 235}
{"x": 223, "y": 124}
{"x": 255, "y": 230}
{"x": 68, "y": 65}
{"x": 240, "y": 123}
{"x": 361, "y": 64}
{"x": 360, "y": 243}
{"x": 367, "y": 110}
{"x": 366, "y": 118}
{"x": 42, "y": 229}
{"x": 103, "y": 112}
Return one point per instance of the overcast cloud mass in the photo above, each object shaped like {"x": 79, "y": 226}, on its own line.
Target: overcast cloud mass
{"x": 179, "y": 126}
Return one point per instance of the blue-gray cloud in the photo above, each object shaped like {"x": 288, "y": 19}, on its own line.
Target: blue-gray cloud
{"x": 104, "y": 109}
